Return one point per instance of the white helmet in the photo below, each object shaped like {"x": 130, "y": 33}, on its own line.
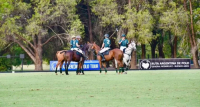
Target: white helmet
{"x": 78, "y": 37}
{"x": 73, "y": 36}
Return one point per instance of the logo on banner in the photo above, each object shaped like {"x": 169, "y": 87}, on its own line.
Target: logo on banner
{"x": 145, "y": 64}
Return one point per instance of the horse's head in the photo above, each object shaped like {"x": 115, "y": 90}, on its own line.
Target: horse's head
{"x": 85, "y": 47}
{"x": 132, "y": 45}
{"x": 90, "y": 46}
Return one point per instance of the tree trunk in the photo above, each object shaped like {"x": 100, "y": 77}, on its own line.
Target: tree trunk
{"x": 129, "y": 2}
{"x": 175, "y": 47}
{"x": 38, "y": 55}
{"x": 143, "y": 51}
{"x": 153, "y": 48}
{"x": 133, "y": 57}
{"x": 194, "y": 50}
{"x": 171, "y": 45}
{"x": 160, "y": 50}
{"x": 194, "y": 46}
{"x": 90, "y": 30}
{"x": 160, "y": 47}
{"x": 133, "y": 60}
{"x": 38, "y": 64}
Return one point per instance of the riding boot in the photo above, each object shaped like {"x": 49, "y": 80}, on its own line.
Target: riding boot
{"x": 85, "y": 57}
{"x": 103, "y": 58}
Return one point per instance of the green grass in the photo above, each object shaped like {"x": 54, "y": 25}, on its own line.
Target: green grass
{"x": 178, "y": 88}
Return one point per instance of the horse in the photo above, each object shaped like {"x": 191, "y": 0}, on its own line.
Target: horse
{"x": 127, "y": 54}
{"x": 68, "y": 56}
{"x": 113, "y": 54}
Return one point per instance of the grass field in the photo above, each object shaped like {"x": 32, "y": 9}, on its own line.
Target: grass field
{"x": 177, "y": 88}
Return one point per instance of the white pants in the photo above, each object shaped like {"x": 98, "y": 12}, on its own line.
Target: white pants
{"x": 79, "y": 50}
{"x": 104, "y": 49}
{"x": 122, "y": 48}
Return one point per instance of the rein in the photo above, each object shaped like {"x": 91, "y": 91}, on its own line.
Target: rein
{"x": 93, "y": 51}
{"x": 128, "y": 50}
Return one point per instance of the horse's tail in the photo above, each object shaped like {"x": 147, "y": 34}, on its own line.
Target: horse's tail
{"x": 56, "y": 54}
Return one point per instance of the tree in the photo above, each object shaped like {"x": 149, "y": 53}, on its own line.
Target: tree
{"x": 30, "y": 24}
{"x": 173, "y": 20}
{"x": 191, "y": 34}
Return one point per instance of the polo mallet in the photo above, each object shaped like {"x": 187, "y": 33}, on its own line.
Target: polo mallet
{"x": 116, "y": 30}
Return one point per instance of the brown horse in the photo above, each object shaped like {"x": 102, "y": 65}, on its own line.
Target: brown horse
{"x": 116, "y": 54}
{"x": 60, "y": 58}
{"x": 68, "y": 56}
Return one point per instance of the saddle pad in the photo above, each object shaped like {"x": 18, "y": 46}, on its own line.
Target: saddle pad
{"x": 106, "y": 52}
{"x": 79, "y": 54}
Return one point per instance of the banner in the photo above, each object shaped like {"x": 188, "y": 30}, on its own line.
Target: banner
{"x": 161, "y": 63}
{"x": 88, "y": 65}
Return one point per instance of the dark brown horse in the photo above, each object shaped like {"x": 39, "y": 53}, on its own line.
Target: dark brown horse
{"x": 68, "y": 56}
{"x": 116, "y": 54}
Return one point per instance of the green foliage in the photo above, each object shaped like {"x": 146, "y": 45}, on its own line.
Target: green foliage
{"x": 30, "y": 24}
{"x": 140, "y": 25}
{"x": 197, "y": 21}
{"x": 107, "y": 12}
{"x": 4, "y": 64}
{"x": 174, "y": 19}
{"x": 76, "y": 28}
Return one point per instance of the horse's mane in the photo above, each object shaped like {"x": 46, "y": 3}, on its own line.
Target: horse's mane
{"x": 97, "y": 46}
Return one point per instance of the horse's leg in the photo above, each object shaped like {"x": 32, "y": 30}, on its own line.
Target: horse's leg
{"x": 68, "y": 63}
{"x": 77, "y": 68}
{"x": 83, "y": 68}
{"x": 116, "y": 66}
{"x": 104, "y": 65}
{"x": 100, "y": 63}
{"x": 120, "y": 64}
{"x": 57, "y": 67}
{"x": 61, "y": 67}
{"x": 66, "y": 67}
{"x": 80, "y": 67}
{"x": 126, "y": 61}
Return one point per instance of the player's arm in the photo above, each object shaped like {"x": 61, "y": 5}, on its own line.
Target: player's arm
{"x": 71, "y": 43}
{"x": 110, "y": 42}
{"x": 77, "y": 44}
{"x": 102, "y": 46}
{"x": 120, "y": 41}
{"x": 127, "y": 43}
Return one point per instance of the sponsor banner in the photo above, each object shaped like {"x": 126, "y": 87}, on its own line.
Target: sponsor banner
{"x": 173, "y": 63}
{"x": 88, "y": 65}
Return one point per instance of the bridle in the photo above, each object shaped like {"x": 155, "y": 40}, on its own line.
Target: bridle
{"x": 93, "y": 51}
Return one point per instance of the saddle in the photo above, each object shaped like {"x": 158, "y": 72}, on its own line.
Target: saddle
{"x": 78, "y": 53}
{"x": 106, "y": 52}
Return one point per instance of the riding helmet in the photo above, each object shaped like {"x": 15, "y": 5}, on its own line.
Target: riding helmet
{"x": 73, "y": 36}
{"x": 78, "y": 37}
{"x": 123, "y": 35}
{"x": 106, "y": 35}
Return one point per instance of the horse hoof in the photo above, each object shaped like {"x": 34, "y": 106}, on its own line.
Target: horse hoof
{"x": 56, "y": 74}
